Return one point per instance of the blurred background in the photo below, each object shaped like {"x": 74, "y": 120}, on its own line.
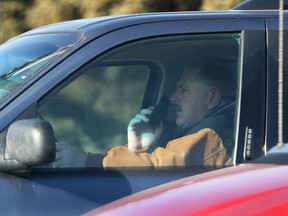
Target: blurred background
{"x": 18, "y": 16}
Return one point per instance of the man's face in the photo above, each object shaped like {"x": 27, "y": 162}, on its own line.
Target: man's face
{"x": 191, "y": 100}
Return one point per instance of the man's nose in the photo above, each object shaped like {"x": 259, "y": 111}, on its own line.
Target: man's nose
{"x": 174, "y": 98}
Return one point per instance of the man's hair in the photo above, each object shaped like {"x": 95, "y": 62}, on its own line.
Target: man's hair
{"x": 216, "y": 74}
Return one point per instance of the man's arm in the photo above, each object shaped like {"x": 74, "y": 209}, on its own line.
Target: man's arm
{"x": 202, "y": 148}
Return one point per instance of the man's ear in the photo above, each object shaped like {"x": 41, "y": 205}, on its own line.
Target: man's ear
{"x": 214, "y": 98}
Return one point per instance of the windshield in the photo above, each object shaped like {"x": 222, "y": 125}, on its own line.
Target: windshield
{"x": 22, "y": 57}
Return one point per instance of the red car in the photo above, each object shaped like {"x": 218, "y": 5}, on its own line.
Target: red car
{"x": 248, "y": 189}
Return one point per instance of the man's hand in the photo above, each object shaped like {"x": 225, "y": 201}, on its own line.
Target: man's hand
{"x": 141, "y": 134}
{"x": 69, "y": 156}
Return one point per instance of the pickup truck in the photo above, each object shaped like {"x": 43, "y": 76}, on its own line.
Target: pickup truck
{"x": 80, "y": 82}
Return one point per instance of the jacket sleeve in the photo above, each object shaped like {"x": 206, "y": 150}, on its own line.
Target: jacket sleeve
{"x": 202, "y": 148}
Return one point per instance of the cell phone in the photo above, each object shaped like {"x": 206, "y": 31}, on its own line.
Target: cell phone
{"x": 160, "y": 111}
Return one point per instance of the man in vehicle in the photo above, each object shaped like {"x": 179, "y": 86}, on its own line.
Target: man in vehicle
{"x": 204, "y": 108}
{"x": 203, "y": 126}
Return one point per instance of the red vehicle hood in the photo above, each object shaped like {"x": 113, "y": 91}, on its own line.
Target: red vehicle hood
{"x": 242, "y": 190}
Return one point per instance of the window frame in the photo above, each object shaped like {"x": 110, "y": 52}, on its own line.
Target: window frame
{"x": 250, "y": 28}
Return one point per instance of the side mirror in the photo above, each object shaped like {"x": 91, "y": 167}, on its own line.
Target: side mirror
{"x": 29, "y": 142}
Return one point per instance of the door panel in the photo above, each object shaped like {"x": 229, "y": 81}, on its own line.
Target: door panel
{"x": 272, "y": 83}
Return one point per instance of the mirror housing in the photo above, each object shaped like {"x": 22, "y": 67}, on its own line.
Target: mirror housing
{"x": 29, "y": 142}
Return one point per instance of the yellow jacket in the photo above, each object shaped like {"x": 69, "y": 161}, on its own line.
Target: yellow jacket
{"x": 202, "y": 148}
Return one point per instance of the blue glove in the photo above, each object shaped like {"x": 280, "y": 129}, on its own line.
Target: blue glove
{"x": 69, "y": 156}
